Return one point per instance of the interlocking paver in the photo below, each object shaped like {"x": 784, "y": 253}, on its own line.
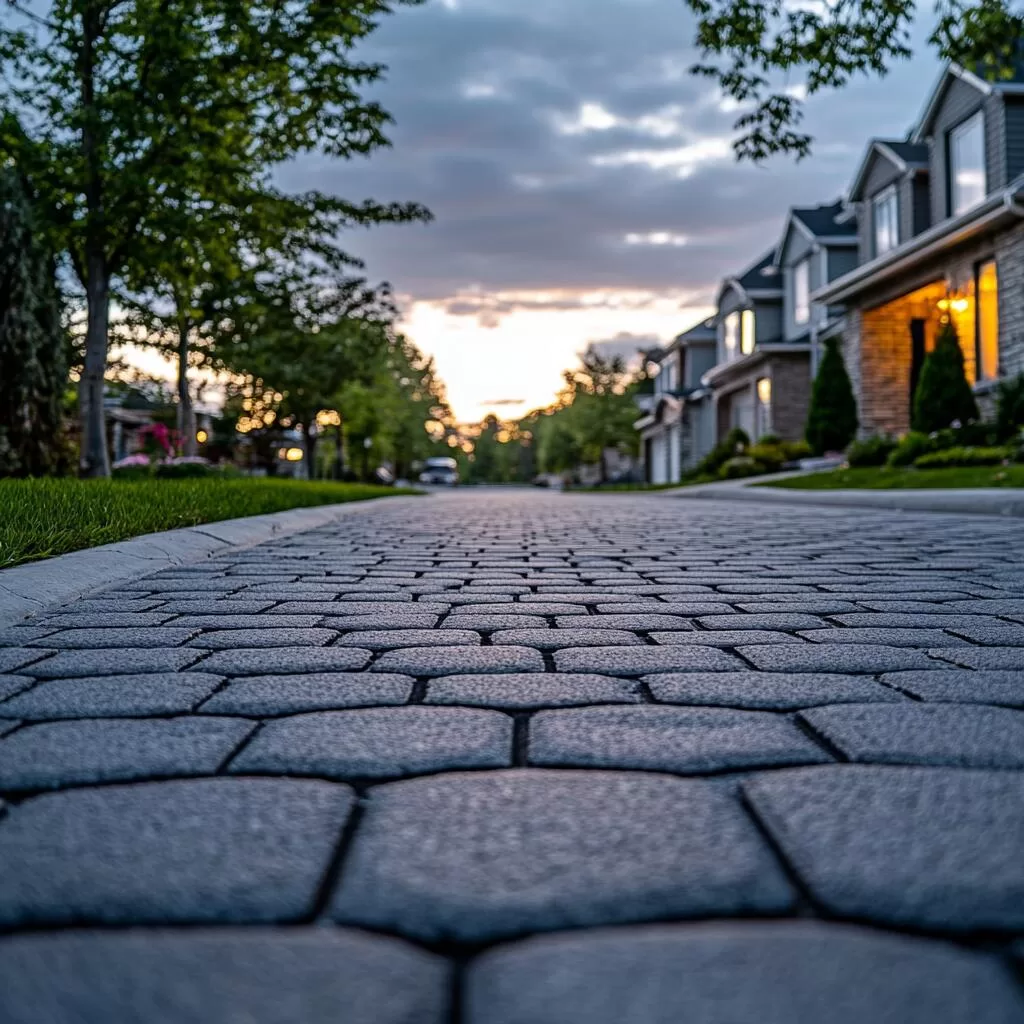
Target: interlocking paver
{"x": 315, "y": 691}
{"x": 379, "y": 743}
{"x": 836, "y": 658}
{"x": 777, "y": 691}
{"x": 638, "y": 661}
{"x": 486, "y": 855}
{"x": 934, "y": 848}
{"x": 442, "y": 661}
{"x": 960, "y": 686}
{"x": 752, "y": 973}
{"x": 387, "y": 639}
{"x": 54, "y": 754}
{"x": 113, "y": 662}
{"x": 195, "y": 850}
{"x": 12, "y": 684}
{"x": 975, "y": 657}
{"x": 549, "y": 795}
{"x": 555, "y": 639}
{"x": 166, "y": 693}
{"x": 941, "y": 734}
{"x": 224, "y": 975}
{"x": 285, "y": 660}
{"x": 531, "y": 690}
{"x": 686, "y": 740}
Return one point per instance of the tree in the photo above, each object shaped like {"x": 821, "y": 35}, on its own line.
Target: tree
{"x": 765, "y": 56}
{"x": 33, "y": 343}
{"x": 943, "y": 395}
{"x": 115, "y": 109}
{"x": 832, "y": 418}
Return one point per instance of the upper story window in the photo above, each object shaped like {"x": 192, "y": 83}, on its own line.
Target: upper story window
{"x": 747, "y": 332}
{"x": 668, "y": 371}
{"x": 885, "y": 215}
{"x": 967, "y": 164}
{"x": 731, "y": 336}
{"x": 802, "y": 292}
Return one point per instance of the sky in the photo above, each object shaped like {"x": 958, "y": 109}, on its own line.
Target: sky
{"x": 582, "y": 182}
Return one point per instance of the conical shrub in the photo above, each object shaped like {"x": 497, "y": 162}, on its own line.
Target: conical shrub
{"x": 943, "y": 396}
{"x": 832, "y": 418}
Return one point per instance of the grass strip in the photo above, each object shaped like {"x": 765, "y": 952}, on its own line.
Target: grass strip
{"x": 47, "y": 517}
{"x": 883, "y": 479}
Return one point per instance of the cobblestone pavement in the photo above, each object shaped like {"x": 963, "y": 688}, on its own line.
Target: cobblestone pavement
{"x": 524, "y": 758}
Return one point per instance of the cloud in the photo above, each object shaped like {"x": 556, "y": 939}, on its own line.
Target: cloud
{"x": 626, "y": 346}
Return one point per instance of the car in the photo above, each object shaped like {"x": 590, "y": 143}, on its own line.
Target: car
{"x": 440, "y": 471}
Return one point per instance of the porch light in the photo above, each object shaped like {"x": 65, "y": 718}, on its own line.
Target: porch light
{"x": 764, "y": 390}
{"x": 294, "y": 455}
{"x": 202, "y": 436}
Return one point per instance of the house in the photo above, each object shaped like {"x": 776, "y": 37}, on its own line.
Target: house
{"x": 677, "y": 429}
{"x": 940, "y": 222}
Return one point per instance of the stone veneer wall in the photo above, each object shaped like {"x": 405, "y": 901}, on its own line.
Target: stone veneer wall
{"x": 791, "y": 393}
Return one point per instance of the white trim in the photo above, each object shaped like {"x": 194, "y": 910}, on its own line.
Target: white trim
{"x": 891, "y": 155}
{"x": 920, "y": 133}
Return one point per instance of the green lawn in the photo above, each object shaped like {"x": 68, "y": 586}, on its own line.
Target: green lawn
{"x": 903, "y": 479}
{"x": 42, "y": 518}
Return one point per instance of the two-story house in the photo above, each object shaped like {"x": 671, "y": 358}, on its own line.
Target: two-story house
{"x": 940, "y": 220}
{"x": 676, "y": 429}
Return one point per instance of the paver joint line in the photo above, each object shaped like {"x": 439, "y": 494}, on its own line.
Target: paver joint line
{"x": 467, "y": 723}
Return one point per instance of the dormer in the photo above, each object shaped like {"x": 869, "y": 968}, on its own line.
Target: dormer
{"x": 749, "y": 310}
{"x": 891, "y": 196}
{"x": 974, "y": 131}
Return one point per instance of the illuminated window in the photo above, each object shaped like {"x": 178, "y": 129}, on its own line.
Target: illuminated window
{"x": 967, "y": 164}
{"x": 885, "y": 212}
{"x": 986, "y": 332}
{"x": 731, "y": 336}
{"x": 747, "y": 332}
{"x": 764, "y": 406}
{"x": 802, "y": 292}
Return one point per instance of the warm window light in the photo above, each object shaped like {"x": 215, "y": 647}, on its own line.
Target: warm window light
{"x": 747, "y": 335}
{"x": 956, "y": 305}
{"x": 294, "y": 455}
{"x": 202, "y": 436}
{"x": 764, "y": 390}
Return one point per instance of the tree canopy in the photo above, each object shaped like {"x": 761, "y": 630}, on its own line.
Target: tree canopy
{"x": 766, "y": 56}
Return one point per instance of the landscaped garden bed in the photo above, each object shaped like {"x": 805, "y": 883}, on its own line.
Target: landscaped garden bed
{"x": 45, "y": 517}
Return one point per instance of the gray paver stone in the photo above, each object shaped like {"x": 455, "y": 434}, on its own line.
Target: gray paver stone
{"x": 940, "y": 734}
{"x": 96, "y": 639}
{"x": 919, "y": 638}
{"x": 750, "y": 973}
{"x": 864, "y": 839}
{"x": 638, "y": 661}
{"x": 1011, "y": 658}
{"x": 726, "y": 637}
{"x": 419, "y": 620}
{"x": 389, "y": 639}
{"x": 229, "y": 975}
{"x": 248, "y": 639}
{"x": 555, "y": 639}
{"x": 963, "y": 686}
{"x": 531, "y": 690}
{"x": 442, "y": 661}
{"x": 104, "y": 750}
{"x": 195, "y": 850}
{"x": 13, "y": 658}
{"x": 668, "y": 739}
{"x": 317, "y": 691}
{"x": 835, "y": 658}
{"x": 776, "y": 691}
{"x": 75, "y": 664}
{"x": 286, "y": 660}
{"x": 774, "y": 621}
{"x": 167, "y": 693}
{"x": 380, "y": 743}
{"x": 487, "y": 855}
{"x": 10, "y": 685}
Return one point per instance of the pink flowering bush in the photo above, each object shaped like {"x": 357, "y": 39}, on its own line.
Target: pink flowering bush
{"x": 158, "y": 440}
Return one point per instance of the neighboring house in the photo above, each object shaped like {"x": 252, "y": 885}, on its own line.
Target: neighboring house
{"x": 941, "y": 236}
{"x": 755, "y": 377}
{"x": 677, "y": 428}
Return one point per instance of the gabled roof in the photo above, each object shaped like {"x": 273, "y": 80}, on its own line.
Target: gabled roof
{"x": 826, "y": 224}
{"x": 761, "y": 280}
{"x": 978, "y": 79}
{"x": 906, "y": 157}
{"x": 704, "y": 331}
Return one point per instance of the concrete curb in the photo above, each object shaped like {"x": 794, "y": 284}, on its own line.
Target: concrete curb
{"x": 29, "y": 589}
{"x": 989, "y": 502}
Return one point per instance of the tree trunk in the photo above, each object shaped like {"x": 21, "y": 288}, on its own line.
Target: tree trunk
{"x": 186, "y": 415}
{"x": 604, "y": 468}
{"x": 309, "y": 440}
{"x": 339, "y": 455}
{"x": 94, "y": 460}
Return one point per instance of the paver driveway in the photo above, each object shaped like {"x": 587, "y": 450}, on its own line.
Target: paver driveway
{"x": 525, "y": 758}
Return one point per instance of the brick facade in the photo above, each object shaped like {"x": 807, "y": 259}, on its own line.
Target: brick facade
{"x": 877, "y": 340}
{"x": 790, "y": 374}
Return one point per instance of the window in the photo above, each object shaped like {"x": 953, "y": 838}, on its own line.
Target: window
{"x": 802, "y": 292}
{"x": 747, "y": 332}
{"x": 731, "y": 336}
{"x": 986, "y": 332}
{"x": 764, "y": 406}
{"x": 885, "y": 213}
{"x": 967, "y": 164}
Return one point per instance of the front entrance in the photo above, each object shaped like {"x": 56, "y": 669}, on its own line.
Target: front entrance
{"x": 918, "y": 352}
